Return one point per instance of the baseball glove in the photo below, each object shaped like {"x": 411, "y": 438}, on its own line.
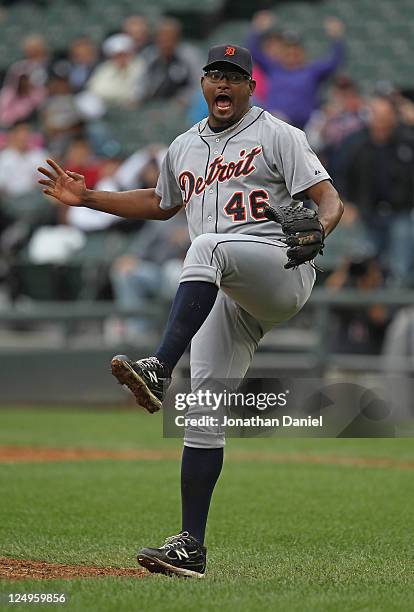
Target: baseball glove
{"x": 304, "y": 232}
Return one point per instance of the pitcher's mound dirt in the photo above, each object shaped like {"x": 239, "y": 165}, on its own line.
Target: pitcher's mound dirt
{"x": 18, "y": 569}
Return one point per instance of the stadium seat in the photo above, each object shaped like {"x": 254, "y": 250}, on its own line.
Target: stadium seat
{"x": 47, "y": 282}
{"x": 234, "y": 31}
{"x": 32, "y": 208}
{"x": 156, "y": 121}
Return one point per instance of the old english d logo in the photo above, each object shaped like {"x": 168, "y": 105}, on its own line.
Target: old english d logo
{"x": 230, "y": 51}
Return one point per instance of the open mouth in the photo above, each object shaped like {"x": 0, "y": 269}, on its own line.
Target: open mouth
{"x": 223, "y": 102}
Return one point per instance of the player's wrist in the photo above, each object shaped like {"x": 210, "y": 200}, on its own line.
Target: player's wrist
{"x": 325, "y": 226}
{"x": 88, "y": 197}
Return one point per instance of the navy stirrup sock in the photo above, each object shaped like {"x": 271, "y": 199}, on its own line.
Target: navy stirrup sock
{"x": 192, "y": 304}
{"x": 200, "y": 469}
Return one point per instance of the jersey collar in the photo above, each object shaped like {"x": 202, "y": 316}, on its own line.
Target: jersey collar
{"x": 252, "y": 114}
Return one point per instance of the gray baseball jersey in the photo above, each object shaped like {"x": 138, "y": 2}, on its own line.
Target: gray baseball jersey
{"x": 223, "y": 179}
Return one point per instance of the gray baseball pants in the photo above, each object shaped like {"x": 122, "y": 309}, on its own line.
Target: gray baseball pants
{"x": 255, "y": 294}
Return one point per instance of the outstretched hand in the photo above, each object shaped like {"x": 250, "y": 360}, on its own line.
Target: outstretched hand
{"x": 334, "y": 27}
{"x": 263, "y": 20}
{"x": 65, "y": 186}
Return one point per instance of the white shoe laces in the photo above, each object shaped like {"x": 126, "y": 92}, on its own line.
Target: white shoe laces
{"x": 151, "y": 360}
{"x": 181, "y": 539}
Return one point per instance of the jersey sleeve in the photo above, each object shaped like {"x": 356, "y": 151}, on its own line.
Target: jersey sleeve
{"x": 297, "y": 163}
{"x": 167, "y": 187}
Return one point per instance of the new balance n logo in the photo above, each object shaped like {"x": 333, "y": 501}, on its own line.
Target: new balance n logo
{"x": 153, "y": 377}
{"x": 182, "y": 554}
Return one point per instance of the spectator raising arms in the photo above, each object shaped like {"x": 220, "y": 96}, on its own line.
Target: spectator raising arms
{"x": 293, "y": 83}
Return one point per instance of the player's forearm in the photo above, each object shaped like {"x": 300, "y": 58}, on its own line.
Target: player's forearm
{"x": 330, "y": 211}
{"x": 136, "y": 204}
{"x": 330, "y": 207}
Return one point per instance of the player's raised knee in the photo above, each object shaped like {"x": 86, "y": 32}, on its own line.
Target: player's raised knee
{"x": 203, "y": 247}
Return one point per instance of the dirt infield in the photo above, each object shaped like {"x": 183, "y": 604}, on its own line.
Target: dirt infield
{"x": 37, "y": 454}
{"x": 33, "y": 454}
{"x": 18, "y": 569}
{"x": 335, "y": 460}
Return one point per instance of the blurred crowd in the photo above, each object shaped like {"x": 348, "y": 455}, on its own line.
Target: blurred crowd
{"x": 56, "y": 105}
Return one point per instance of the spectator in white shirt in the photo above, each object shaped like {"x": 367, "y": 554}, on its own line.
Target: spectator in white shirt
{"x": 19, "y": 162}
{"x": 114, "y": 81}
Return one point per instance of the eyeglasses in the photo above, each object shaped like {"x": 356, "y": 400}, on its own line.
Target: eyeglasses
{"x": 215, "y": 76}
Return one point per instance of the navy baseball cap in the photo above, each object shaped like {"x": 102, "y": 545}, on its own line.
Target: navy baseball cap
{"x": 230, "y": 54}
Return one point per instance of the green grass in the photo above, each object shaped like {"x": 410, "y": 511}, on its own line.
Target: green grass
{"x": 281, "y": 536}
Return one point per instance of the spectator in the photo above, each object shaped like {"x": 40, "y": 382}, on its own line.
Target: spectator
{"x": 172, "y": 68}
{"x": 83, "y": 58}
{"x": 151, "y": 269}
{"x": 405, "y": 109}
{"x": 137, "y": 27}
{"x": 36, "y": 58}
{"x": 398, "y": 349}
{"x": 380, "y": 181}
{"x": 80, "y": 158}
{"x": 139, "y": 171}
{"x": 294, "y": 83}
{"x": 61, "y": 117}
{"x": 88, "y": 220}
{"x": 344, "y": 114}
{"x": 272, "y": 46}
{"x": 20, "y": 98}
{"x": 262, "y": 86}
{"x": 114, "y": 81}
{"x": 351, "y": 235}
{"x": 107, "y": 181}
{"x": 19, "y": 162}
{"x": 20, "y": 94}
{"x": 362, "y": 330}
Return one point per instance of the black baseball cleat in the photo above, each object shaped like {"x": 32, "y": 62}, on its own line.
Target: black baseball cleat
{"x": 181, "y": 555}
{"x": 148, "y": 379}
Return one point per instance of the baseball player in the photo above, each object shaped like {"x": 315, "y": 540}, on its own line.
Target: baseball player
{"x": 238, "y": 278}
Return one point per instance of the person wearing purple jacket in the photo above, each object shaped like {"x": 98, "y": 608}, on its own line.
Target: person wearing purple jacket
{"x": 293, "y": 83}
